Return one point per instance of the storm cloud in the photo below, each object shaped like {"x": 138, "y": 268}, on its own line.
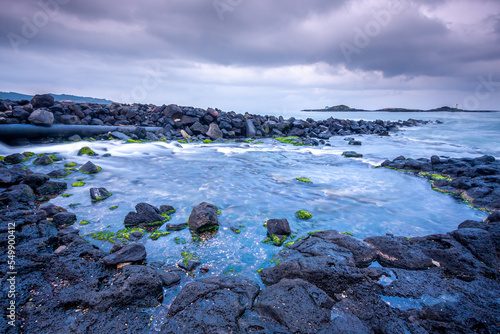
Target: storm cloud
{"x": 256, "y": 55}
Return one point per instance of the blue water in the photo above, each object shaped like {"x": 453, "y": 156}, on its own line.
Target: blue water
{"x": 254, "y": 182}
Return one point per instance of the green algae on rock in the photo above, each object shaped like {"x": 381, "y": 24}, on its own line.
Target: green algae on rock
{"x": 86, "y": 151}
{"x": 304, "y": 215}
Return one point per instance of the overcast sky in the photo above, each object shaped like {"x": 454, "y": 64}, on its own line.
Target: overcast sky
{"x": 256, "y": 55}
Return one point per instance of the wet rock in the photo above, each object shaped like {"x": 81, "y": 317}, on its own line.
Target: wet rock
{"x": 397, "y": 252}
{"x": 352, "y": 154}
{"x": 211, "y": 305}
{"x": 175, "y": 227}
{"x": 168, "y": 278}
{"x": 42, "y": 101}
{"x": 140, "y": 132}
{"x": 130, "y": 253}
{"x": 199, "y": 128}
{"x": 190, "y": 265}
{"x": 59, "y": 173}
{"x": 43, "y": 160}
{"x": 214, "y": 132}
{"x": 449, "y": 254}
{"x": 494, "y": 217}
{"x": 364, "y": 254}
{"x": 99, "y": 194}
{"x": 90, "y": 168}
{"x": 319, "y": 247}
{"x": 52, "y": 209}
{"x": 138, "y": 286}
{"x": 6, "y": 176}
{"x": 51, "y": 188}
{"x": 75, "y": 138}
{"x": 355, "y": 142}
{"x": 35, "y": 180}
{"x": 250, "y": 128}
{"x": 279, "y": 227}
{"x": 251, "y": 322}
{"x": 119, "y": 135}
{"x": 14, "y": 158}
{"x": 41, "y": 117}
{"x": 146, "y": 214}
{"x": 64, "y": 218}
{"x": 203, "y": 217}
{"x": 18, "y": 193}
{"x": 324, "y": 272}
{"x": 480, "y": 243}
{"x": 296, "y": 304}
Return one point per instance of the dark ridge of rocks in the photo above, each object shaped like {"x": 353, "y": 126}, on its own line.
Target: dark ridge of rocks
{"x": 475, "y": 180}
{"x": 198, "y": 123}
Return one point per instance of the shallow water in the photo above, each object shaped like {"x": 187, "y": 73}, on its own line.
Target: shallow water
{"x": 254, "y": 182}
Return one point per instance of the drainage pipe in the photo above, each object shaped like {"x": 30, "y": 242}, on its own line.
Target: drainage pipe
{"x": 28, "y": 131}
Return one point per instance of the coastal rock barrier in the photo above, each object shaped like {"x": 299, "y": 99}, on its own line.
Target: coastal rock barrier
{"x": 324, "y": 282}
{"x": 176, "y": 122}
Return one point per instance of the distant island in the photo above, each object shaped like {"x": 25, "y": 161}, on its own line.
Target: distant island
{"x": 344, "y": 108}
{"x": 58, "y": 97}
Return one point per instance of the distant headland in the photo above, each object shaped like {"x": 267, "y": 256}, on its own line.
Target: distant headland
{"x": 58, "y": 97}
{"x": 344, "y": 108}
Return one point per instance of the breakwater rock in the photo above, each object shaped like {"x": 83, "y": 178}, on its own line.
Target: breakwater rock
{"x": 178, "y": 122}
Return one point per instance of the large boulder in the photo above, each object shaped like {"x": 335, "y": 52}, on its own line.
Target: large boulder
{"x": 250, "y": 129}
{"x": 41, "y": 117}
{"x": 211, "y": 305}
{"x": 203, "y": 217}
{"x": 14, "y": 158}
{"x": 146, "y": 215}
{"x": 130, "y": 253}
{"x": 214, "y": 132}
{"x": 42, "y": 101}
{"x": 296, "y": 304}
{"x": 138, "y": 286}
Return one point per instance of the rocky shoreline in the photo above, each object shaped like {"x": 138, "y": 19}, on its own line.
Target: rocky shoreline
{"x": 181, "y": 123}
{"x": 324, "y": 282}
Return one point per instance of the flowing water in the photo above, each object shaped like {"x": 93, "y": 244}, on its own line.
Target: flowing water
{"x": 254, "y": 182}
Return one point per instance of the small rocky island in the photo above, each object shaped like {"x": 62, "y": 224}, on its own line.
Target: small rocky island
{"x": 344, "y": 108}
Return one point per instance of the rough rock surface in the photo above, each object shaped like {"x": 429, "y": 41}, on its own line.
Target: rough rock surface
{"x": 203, "y": 217}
